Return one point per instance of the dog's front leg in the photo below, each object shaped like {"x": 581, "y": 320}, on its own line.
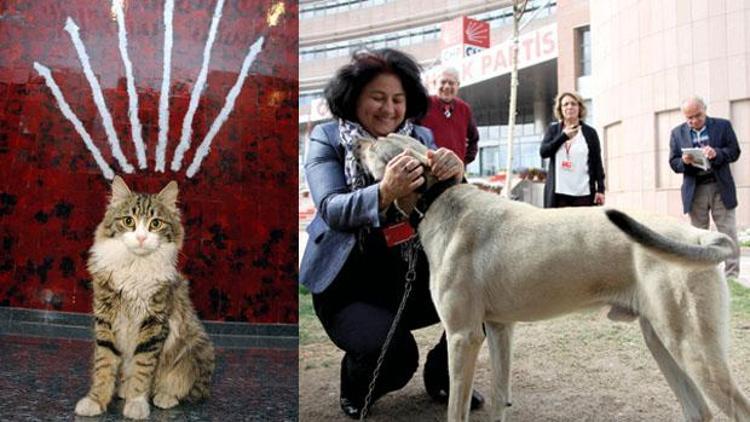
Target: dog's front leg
{"x": 463, "y": 349}
{"x": 500, "y": 338}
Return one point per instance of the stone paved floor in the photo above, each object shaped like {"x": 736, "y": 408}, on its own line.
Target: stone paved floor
{"x": 41, "y": 379}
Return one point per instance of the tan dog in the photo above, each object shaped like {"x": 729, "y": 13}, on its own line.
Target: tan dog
{"x": 496, "y": 261}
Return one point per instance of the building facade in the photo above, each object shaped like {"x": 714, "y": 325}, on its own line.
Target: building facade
{"x": 330, "y": 31}
{"x": 632, "y": 61}
{"x": 672, "y": 49}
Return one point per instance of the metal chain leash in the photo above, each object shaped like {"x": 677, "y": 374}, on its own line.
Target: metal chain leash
{"x": 409, "y": 253}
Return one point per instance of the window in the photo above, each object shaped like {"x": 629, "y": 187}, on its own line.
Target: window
{"x": 404, "y": 40}
{"x": 589, "y": 111}
{"x": 331, "y": 7}
{"x": 665, "y": 121}
{"x": 484, "y": 132}
{"x": 495, "y": 132}
{"x": 488, "y": 161}
{"x": 583, "y": 39}
{"x": 401, "y": 38}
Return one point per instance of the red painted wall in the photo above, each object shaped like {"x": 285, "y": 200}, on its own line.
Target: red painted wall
{"x": 240, "y": 250}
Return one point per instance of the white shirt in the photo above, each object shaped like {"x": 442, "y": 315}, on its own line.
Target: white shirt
{"x": 572, "y": 167}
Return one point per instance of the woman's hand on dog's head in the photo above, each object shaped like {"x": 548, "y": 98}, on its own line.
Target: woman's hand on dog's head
{"x": 403, "y": 174}
{"x": 445, "y": 164}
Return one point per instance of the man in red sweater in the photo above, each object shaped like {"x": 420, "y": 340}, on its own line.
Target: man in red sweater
{"x": 450, "y": 118}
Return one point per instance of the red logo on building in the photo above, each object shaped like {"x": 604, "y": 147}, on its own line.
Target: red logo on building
{"x": 476, "y": 33}
{"x": 462, "y": 37}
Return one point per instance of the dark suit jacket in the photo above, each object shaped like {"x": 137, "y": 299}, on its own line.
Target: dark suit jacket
{"x": 553, "y": 140}
{"x": 340, "y": 211}
{"x": 721, "y": 137}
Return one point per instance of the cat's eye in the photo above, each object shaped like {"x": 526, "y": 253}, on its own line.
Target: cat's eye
{"x": 129, "y": 222}
{"x": 155, "y": 224}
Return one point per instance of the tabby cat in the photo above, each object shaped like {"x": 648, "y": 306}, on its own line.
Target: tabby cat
{"x": 149, "y": 342}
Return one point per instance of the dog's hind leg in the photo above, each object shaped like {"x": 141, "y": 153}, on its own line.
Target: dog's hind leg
{"x": 500, "y": 339}
{"x": 695, "y": 331}
{"x": 706, "y": 361}
{"x": 691, "y": 399}
{"x": 463, "y": 349}
{"x": 710, "y": 370}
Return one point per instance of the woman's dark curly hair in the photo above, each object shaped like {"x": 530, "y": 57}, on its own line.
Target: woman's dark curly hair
{"x": 342, "y": 92}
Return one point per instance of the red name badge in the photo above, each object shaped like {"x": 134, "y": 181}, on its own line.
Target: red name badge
{"x": 398, "y": 233}
{"x": 567, "y": 165}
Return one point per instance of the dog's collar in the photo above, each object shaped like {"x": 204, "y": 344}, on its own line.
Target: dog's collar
{"x": 425, "y": 201}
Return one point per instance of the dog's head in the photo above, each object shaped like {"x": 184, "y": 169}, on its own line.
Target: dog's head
{"x": 374, "y": 155}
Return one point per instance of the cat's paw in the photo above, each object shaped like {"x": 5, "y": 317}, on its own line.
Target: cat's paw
{"x": 136, "y": 408}
{"x": 88, "y": 407}
{"x": 165, "y": 401}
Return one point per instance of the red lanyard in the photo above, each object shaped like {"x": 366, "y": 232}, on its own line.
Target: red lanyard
{"x": 568, "y": 144}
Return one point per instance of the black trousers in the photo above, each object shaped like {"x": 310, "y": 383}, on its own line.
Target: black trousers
{"x": 357, "y": 310}
{"x": 573, "y": 201}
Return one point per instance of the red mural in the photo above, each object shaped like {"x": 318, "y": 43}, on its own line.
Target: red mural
{"x": 91, "y": 89}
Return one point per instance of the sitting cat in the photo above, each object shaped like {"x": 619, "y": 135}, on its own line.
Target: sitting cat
{"x": 148, "y": 336}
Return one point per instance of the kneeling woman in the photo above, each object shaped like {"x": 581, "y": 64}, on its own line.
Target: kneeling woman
{"x": 357, "y": 280}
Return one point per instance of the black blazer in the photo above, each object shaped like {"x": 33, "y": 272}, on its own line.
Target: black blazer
{"x": 553, "y": 140}
{"x": 721, "y": 138}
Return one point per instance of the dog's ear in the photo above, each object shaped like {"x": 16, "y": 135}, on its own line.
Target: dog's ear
{"x": 364, "y": 151}
{"x": 364, "y": 143}
{"x": 360, "y": 148}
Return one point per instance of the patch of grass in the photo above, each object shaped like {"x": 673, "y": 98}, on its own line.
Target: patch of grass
{"x": 310, "y": 330}
{"x": 740, "y": 300}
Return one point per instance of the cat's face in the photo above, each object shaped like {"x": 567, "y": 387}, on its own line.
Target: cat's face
{"x": 143, "y": 223}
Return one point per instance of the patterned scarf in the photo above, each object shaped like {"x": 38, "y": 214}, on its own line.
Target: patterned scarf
{"x": 351, "y": 133}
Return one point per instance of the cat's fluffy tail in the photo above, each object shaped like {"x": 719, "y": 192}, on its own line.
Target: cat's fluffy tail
{"x": 204, "y": 365}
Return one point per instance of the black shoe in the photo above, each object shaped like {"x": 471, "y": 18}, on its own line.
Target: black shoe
{"x": 349, "y": 408}
{"x": 441, "y": 396}
{"x": 349, "y": 395}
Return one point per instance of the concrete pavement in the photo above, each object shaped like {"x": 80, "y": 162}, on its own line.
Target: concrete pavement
{"x": 745, "y": 267}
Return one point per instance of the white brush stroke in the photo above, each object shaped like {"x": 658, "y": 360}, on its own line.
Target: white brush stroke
{"x": 71, "y": 116}
{"x": 161, "y": 145}
{"x": 200, "y": 83}
{"x": 135, "y": 123}
{"x": 96, "y": 90}
{"x": 205, "y": 146}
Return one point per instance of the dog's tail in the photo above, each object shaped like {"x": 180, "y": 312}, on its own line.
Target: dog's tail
{"x": 713, "y": 249}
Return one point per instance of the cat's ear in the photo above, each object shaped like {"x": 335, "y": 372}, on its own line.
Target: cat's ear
{"x": 168, "y": 195}
{"x": 120, "y": 190}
